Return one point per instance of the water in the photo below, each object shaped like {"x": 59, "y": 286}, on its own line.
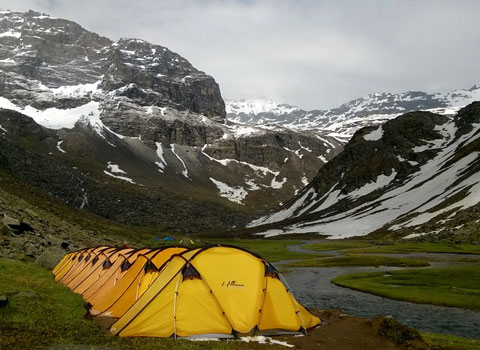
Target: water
{"x": 313, "y": 288}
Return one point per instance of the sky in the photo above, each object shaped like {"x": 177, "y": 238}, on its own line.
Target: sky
{"x": 314, "y": 54}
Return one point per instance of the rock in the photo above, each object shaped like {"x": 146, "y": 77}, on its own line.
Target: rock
{"x": 397, "y": 332}
{"x": 64, "y": 245}
{"x": 54, "y": 240}
{"x": 50, "y": 257}
{"x": 30, "y": 249}
{"x": 5, "y": 230}
{"x": 9, "y": 221}
{"x": 3, "y": 301}
{"x": 16, "y": 226}
{"x": 31, "y": 213}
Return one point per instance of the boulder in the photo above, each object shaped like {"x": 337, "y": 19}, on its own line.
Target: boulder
{"x": 31, "y": 213}
{"x": 9, "y": 221}
{"x": 50, "y": 257}
{"x": 3, "y": 301}
{"x": 30, "y": 249}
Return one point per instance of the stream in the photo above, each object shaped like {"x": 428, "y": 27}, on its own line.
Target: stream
{"x": 312, "y": 286}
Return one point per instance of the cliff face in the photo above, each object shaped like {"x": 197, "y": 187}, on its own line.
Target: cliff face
{"x": 46, "y": 54}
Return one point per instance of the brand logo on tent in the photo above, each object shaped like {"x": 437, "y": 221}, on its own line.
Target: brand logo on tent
{"x": 232, "y": 284}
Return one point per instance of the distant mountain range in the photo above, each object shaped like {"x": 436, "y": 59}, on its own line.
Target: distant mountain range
{"x": 343, "y": 121}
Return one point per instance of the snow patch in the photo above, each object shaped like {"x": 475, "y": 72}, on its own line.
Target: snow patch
{"x": 54, "y": 118}
{"x": 124, "y": 178}
{"x": 162, "y": 163}
{"x": 11, "y": 33}
{"x": 59, "y": 143}
{"x": 278, "y": 184}
{"x": 76, "y": 90}
{"x": 234, "y": 194}
{"x": 265, "y": 340}
{"x": 374, "y": 135}
{"x": 185, "y": 171}
{"x": 114, "y": 168}
{"x": 8, "y": 61}
{"x": 257, "y": 106}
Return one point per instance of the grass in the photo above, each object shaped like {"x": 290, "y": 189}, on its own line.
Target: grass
{"x": 454, "y": 286}
{"x": 360, "y": 260}
{"x": 445, "y": 341}
{"x": 363, "y": 247}
{"x": 337, "y": 245}
{"x": 44, "y": 313}
{"x": 425, "y": 247}
{"x": 272, "y": 250}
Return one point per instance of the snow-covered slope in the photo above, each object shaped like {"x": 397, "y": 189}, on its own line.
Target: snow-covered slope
{"x": 416, "y": 173}
{"x": 342, "y": 122}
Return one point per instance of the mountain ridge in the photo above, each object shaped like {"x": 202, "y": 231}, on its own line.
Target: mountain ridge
{"x": 409, "y": 177}
{"x": 342, "y": 122}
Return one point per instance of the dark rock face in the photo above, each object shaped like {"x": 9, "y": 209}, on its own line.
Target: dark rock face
{"x": 363, "y": 161}
{"x": 166, "y": 79}
{"x": 466, "y": 117}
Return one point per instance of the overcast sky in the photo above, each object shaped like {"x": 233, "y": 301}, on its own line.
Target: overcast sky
{"x": 311, "y": 53}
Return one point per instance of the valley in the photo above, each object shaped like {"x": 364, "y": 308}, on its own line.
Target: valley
{"x": 369, "y": 208}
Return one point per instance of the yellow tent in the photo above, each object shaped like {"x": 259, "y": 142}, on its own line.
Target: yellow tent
{"x": 219, "y": 291}
{"x": 84, "y": 262}
{"x": 70, "y": 260}
{"x": 97, "y": 270}
{"x": 147, "y": 267}
{"x": 108, "y": 280}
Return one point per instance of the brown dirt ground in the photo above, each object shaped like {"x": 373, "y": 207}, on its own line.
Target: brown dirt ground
{"x": 339, "y": 331}
{"x": 345, "y": 332}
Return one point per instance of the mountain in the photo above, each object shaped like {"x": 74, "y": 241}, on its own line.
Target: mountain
{"x": 342, "y": 122}
{"x": 415, "y": 175}
{"x": 132, "y": 131}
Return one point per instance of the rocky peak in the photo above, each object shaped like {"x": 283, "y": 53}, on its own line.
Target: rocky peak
{"x": 39, "y": 54}
{"x": 467, "y": 117}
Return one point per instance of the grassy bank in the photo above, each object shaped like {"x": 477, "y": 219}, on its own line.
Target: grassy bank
{"x": 455, "y": 286}
{"x": 364, "y": 247}
{"x": 341, "y": 244}
{"x": 445, "y": 341}
{"x": 359, "y": 260}
{"x": 426, "y": 247}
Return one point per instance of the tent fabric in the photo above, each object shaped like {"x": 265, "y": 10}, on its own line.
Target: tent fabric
{"x": 221, "y": 291}
{"x": 216, "y": 290}
{"x": 139, "y": 277}
{"x": 83, "y": 263}
{"x": 108, "y": 280}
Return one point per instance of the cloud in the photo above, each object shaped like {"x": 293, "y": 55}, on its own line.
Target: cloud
{"x": 312, "y": 53}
